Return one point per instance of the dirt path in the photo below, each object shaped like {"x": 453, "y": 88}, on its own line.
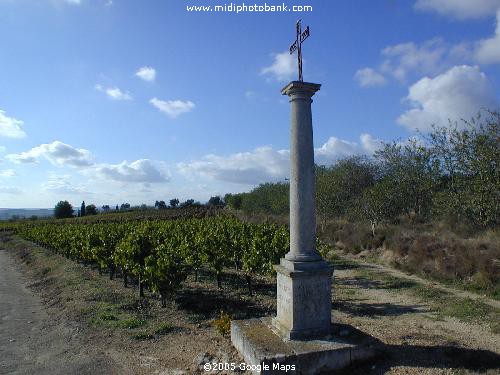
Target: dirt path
{"x": 458, "y": 293}
{"x": 31, "y": 342}
{"x": 418, "y": 338}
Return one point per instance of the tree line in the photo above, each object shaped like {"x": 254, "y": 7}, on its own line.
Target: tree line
{"x": 451, "y": 173}
{"x": 64, "y": 209}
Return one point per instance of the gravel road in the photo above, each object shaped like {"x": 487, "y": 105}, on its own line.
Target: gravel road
{"x": 30, "y": 342}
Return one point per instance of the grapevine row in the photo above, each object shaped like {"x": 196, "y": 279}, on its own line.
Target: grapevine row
{"x": 162, "y": 253}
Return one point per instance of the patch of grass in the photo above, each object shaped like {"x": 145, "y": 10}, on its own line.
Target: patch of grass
{"x": 342, "y": 263}
{"x": 163, "y": 329}
{"x": 103, "y": 318}
{"x": 434, "y": 317}
{"x": 387, "y": 281}
{"x": 393, "y": 282}
{"x": 428, "y": 293}
{"x": 196, "y": 318}
{"x": 142, "y": 336}
{"x": 464, "y": 309}
{"x": 160, "y": 330}
{"x": 131, "y": 323}
{"x": 106, "y": 316}
{"x": 346, "y": 292}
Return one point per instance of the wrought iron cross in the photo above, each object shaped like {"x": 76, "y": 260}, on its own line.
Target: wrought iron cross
{"x": 297, "y": 45}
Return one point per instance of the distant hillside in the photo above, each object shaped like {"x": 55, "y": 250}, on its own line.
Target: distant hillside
{"x": 8, "y": 213}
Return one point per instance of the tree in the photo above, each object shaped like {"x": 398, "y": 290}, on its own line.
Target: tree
{"x": 413, "y": 174}
{"x": 269, "y": 198}
{"x": 174, "y": 202}
{"x": 469, "y": 163}
{"x": 125, "y": 206}
{"x": 91, "y": 209}
{"x": 161, "y": 205}
{"x": 187, "y": 203}
{"x": 378, "y": 203}
{"x": 82, "y": 209}
{"x": 234, "y": 201}
{"x": 216, "y": 201}
{"x": 338, "y": 186}
{"x": 63, "y": 209}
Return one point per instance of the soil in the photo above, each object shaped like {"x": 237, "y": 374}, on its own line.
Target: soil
{"x": 33, "y": 342}
{"x": 63, "y": 317}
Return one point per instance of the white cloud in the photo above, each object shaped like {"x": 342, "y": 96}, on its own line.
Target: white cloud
{"x": 264, "y": 164}
{"x": 459, "y": 93}
{"x": 367, "y": 77}
{"x": 9, "y": 190}
{"x": 2, "y": 149}
{"x": 487, "y": 51}
{"x": 261, "y": 165}
{"x": 405, "y": 58}
{"x": 282, "y": 68}
{"x": 146, "y": 73}
{"x": 369, "y": 144}
{"x": 61, "y": 184}
{"x": 139, "y": 171}
{"x": 61, "y": 154}
{"x": 113, "y": 92}
{"x": 173, "y": 108}
{"x": 57, "y": 153}
{"x": 8, "y": 173}
{"x": 10, "y": 127}
{"x": 73, "y": 2}
{"x": 249, "y": 94}
{"x": 336, "y": 148}
{"x": 411, "y": 60}
{"x": 460, "y": 9}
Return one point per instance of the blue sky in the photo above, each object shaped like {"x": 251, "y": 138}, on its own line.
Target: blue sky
{"x": 136, "y": 101}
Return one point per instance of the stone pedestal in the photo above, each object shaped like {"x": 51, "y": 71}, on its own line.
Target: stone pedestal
{"x": 267, "y": 353}
{"x": 303, "y": 299}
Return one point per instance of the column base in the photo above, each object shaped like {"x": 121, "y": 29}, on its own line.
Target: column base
{"x": 267, "y": 353}
{"x": 304, "y": 299}
{"x": 314, "y": 257}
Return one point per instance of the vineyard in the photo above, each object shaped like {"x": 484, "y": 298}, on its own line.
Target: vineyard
{"x": 160, "y": 254}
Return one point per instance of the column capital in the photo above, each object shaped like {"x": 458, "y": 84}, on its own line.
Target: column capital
{"x": 298, "y": 87}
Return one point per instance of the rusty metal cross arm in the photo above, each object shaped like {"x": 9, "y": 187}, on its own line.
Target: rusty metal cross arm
{"x": 297, "y": 45}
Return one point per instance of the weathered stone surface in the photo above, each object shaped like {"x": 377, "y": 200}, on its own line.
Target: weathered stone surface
{"x": 302, "y": 182}
{"x": 261, "y": 347}
{"x": 303, "y": 299}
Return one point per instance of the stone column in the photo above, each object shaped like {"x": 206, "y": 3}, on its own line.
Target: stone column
{"x": 302, "y": 183}
{"x": 303, "y": 277}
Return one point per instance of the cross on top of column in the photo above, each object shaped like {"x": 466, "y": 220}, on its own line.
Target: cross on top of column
{"x": 297, "y": 45}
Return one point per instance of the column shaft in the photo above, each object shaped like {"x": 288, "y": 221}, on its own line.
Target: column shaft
{"x": 302, "y": 180}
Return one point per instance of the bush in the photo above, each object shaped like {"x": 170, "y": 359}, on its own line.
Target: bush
{"x": 63, "y": 210}
{"x": 223, "y": 324}
{"x": 446, "y": 257}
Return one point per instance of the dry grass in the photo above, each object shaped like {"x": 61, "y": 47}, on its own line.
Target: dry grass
{"x": 432, "y": 250}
